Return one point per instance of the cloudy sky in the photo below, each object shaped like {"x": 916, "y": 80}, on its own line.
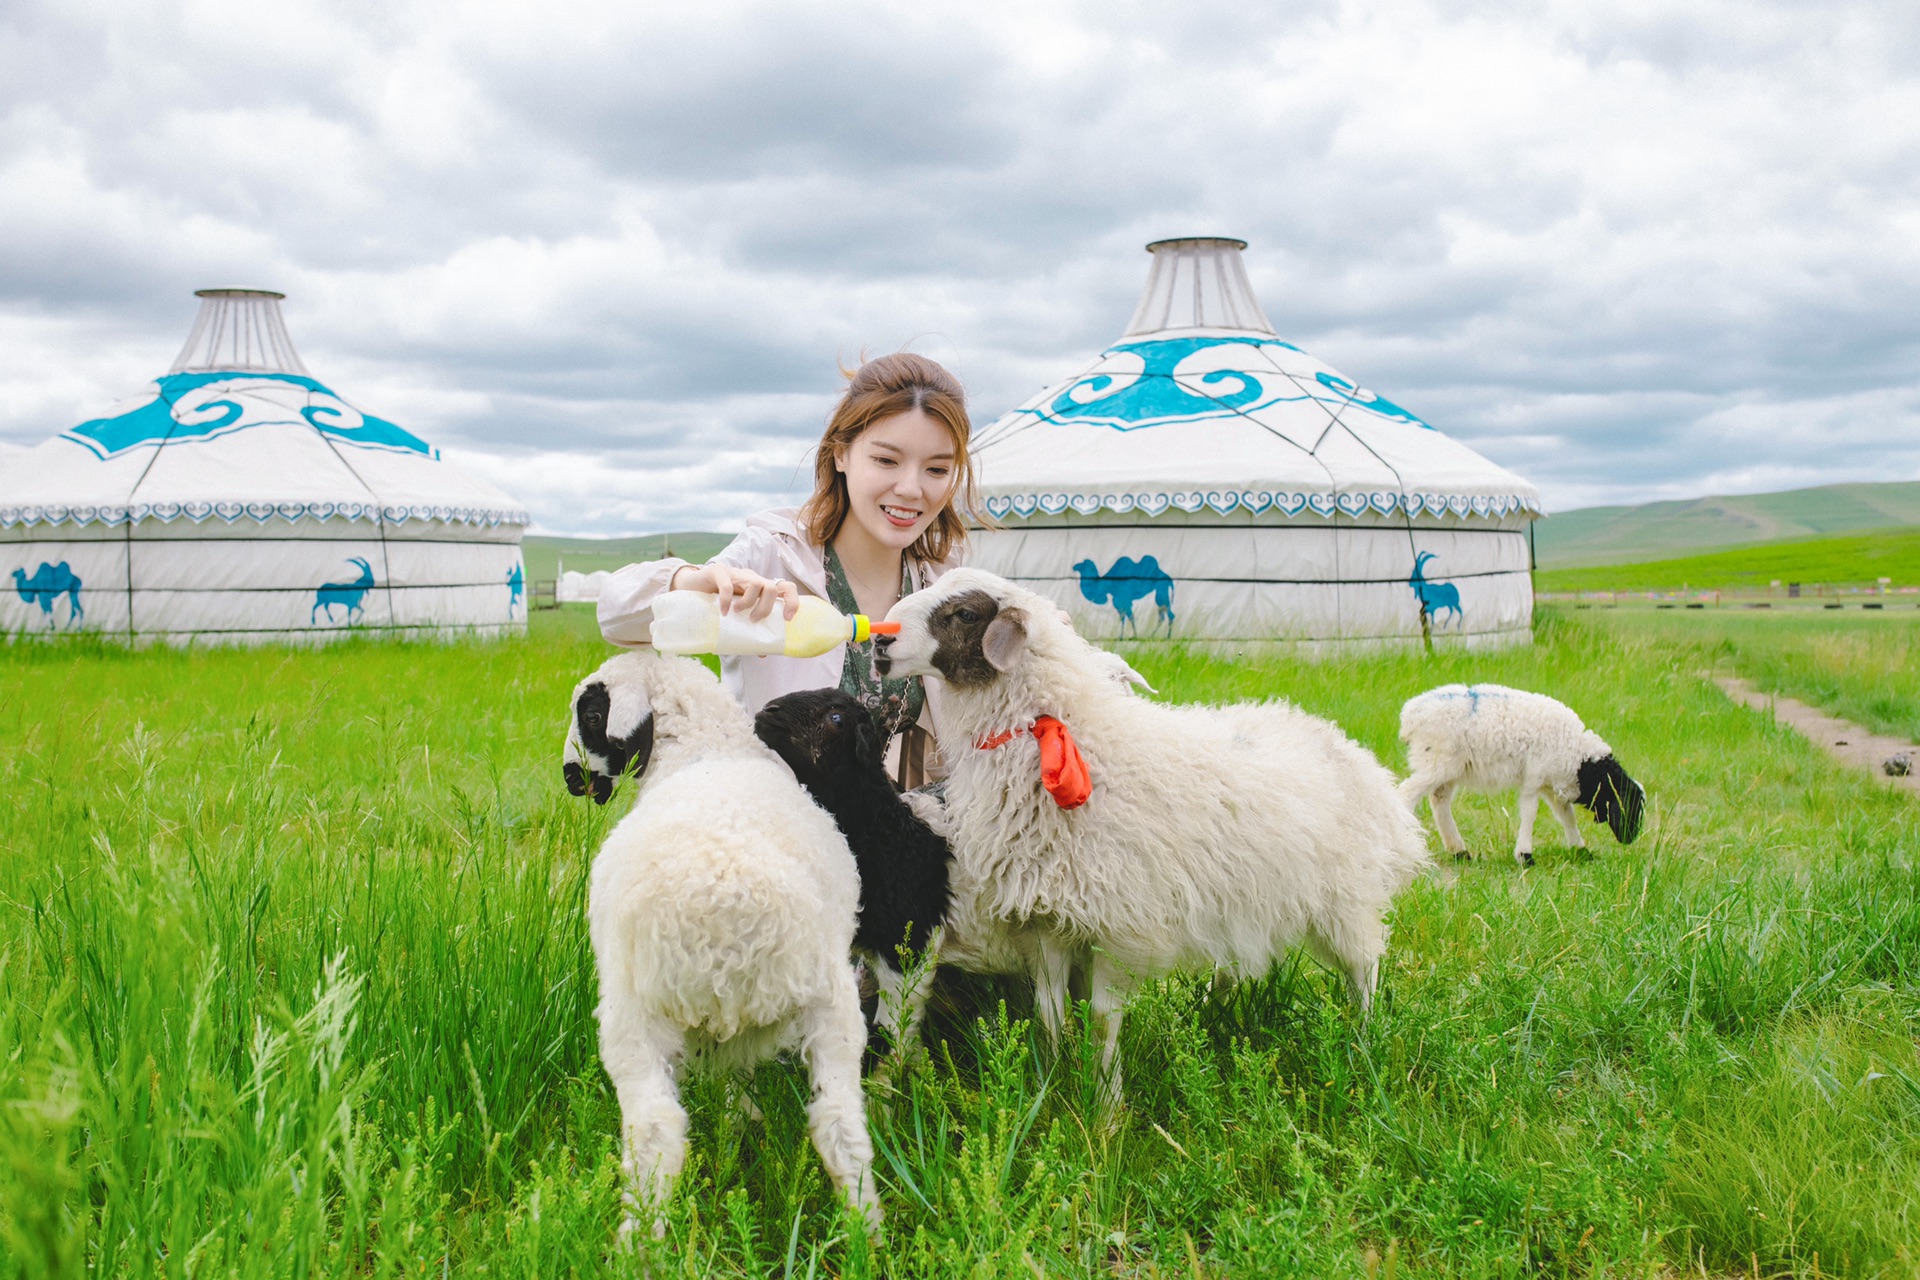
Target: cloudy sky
{"x": 611, "y": 254}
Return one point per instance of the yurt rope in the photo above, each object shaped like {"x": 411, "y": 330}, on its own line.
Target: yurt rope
{"x": 379, "y": 517}
{"x": 133, "y": 492}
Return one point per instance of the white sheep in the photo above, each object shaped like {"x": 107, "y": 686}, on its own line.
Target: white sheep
{"x": 1486, "y": 737}
{"x": 722, "y": 911}
{"x": 1210, "y": 838}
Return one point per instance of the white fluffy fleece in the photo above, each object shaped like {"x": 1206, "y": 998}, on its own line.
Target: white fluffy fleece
{"x": 722, "y": 911}
{"x": 1487, "y": 737}
{"x": 1215, "y": 837}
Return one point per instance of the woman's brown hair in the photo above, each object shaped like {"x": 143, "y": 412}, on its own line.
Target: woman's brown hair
{"x": 880, "y": 389}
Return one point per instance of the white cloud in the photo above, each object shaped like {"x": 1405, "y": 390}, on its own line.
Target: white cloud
{"x": 609, "y": 255}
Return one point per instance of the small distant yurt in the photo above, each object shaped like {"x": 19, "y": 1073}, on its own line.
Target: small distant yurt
{"x": 238, "y": 499}
{"x": 1204, "y": 480}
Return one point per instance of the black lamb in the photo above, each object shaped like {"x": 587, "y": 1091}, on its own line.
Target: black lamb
{"x": 828, "y": 740}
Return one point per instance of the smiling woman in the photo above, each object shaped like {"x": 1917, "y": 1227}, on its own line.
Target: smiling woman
{"x": 892, "y": 496}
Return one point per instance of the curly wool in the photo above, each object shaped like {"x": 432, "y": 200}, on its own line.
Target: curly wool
{"x": 1487, "y": 737}
{"x": 721, "y": 909}
{"x": 1214, "y": 837}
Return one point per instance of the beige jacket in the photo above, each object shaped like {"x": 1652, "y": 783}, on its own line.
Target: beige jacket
{"x": 773, "y": 547}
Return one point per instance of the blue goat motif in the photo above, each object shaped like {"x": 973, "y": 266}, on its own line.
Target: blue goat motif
{"x": 348, "y": 595}
{"x": 516, "y": 585}
{"x": 48, "y": 583}
{"x": 1434, "y": 596}
{"x": 1128, "y": 581}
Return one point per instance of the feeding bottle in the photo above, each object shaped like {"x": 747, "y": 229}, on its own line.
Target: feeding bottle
{"x": 691, "y": 622}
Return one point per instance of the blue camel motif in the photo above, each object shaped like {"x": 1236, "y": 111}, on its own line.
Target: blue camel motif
{"x": 1435, "y": 597}
{"x": 1127, "y": 582}
{"x": 346, "y": 594}
{"x": 516, "y": 583}
{"x": 48, "y": 583}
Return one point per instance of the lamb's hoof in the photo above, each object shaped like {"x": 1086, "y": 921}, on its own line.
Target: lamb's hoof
{"x": 1525, "y": 859}
{"x": 1463, "y": 855}
{"x": 633, "y": 1230}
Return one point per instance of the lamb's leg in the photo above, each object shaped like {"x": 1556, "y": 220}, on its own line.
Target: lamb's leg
{"x": 1111, "y": 987}
{"x": 1051, "y": 975}
{"x": 640, "y": 1054}
{"x": 1442, "y": 804}
{"x": 903, "y": 996}
{"x": 1352, "y": 953}
{"x": 1563, "y": 810}
{"x": 832, "y": 1037}
{"x": 1529, "y": 810}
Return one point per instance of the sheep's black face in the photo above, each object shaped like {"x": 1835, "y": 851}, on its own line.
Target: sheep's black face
{"x": 974, "y": 639}
{"x": 610, "y": 737}
{"x": 822, "y": 734}
{"x": 1613, "y": 797}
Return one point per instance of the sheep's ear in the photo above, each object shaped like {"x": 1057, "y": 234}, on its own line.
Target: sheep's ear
{"x": 638, "y": 747}
{"x": 1629, "y": 806}
{"x": 866, "y": 739}
{"x": 1005, "y": 641}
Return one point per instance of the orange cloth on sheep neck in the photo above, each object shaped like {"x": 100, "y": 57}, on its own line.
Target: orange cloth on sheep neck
{"x": 1063, "y": 770}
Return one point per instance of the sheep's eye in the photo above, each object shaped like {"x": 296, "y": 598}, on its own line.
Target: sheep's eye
{"x": 834, "y": 717}
{"x": 967, "y": 616}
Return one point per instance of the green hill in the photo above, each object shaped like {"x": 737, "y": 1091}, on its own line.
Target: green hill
{"x": 1850, "y": 559}
{"x": 544, "y": 555}
{"x": 1621, "y": 535}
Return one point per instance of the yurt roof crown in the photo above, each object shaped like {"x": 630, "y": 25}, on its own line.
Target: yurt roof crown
{"x": 1198, "y": 283}
{"x": 239, "y": 330}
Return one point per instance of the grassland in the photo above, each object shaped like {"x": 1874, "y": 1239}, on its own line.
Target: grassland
{"x": 1862, "y": 668}
{"x": 1619, "y": 535}
{"x": 1843, "y": 560}
{"x": 294, "y": 981}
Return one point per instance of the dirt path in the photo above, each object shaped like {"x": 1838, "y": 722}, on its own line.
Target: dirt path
{"x": 1844, "y": 740}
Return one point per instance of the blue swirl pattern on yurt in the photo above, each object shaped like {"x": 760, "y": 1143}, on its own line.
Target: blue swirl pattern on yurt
{"x": 1163, "y": 392}
{"x": 203, "y": 406}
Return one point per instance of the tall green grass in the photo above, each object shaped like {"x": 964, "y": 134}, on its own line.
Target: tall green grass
{"x": 1861, "y": 668}
{"x": 294, "y": 981}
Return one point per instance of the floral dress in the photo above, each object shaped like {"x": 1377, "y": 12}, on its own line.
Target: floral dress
{"x": 895, "y": 705}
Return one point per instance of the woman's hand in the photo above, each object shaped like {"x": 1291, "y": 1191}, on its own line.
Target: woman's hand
{"x": 740, "y": 589}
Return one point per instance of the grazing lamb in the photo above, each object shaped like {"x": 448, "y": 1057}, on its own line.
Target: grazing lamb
{"x": 722, "y": 913}
{"x": 1109, "y": 830}
{"x": 828, "y": 740}
{"x": 1486, "y": 737}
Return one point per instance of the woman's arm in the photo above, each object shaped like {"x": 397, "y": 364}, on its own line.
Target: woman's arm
{"x": 741, "y": 574}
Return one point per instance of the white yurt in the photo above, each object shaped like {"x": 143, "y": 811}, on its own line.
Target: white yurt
{"x": 238, "y": 499}
{"x": 1204, "y": 480}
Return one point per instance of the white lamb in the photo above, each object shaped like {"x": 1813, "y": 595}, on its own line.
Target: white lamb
{"x": 722, "y": 911}
{"x": 1486, "y": 737}
{"x": 1210, "y": 838}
